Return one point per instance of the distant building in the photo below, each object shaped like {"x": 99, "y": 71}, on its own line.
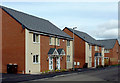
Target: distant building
{"x": 87, "y": 50}
{"x": 111, "y": 51}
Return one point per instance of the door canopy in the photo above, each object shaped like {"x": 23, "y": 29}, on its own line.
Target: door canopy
{"x": 98, "y": 55}
{"x": 54, "y": 52}
{"x": 61, "y": 51}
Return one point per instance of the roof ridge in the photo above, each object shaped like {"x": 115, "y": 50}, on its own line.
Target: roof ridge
{"x": 24, "y": 13}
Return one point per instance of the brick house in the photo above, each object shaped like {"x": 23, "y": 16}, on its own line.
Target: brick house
{"x": 33, "y": 43}
{"x": 87, "y": 50}
{"x": 111, "y": 51}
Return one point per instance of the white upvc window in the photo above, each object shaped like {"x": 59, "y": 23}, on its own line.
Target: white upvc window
{"x": 74, "y": 63}
{"x": 106, "y": 51}
{"x": 35, "y": 58}
{"x": 50, "y": 41}
{"x": 35, "y": 38}
{"x": 95, "y": 48}
{"x": 58, "y": 41}
{"x": 68, "y": 58}
{"x": 78, "y": 63}
{"x": 90, "y": 47}
{"x": 68, "y": 42}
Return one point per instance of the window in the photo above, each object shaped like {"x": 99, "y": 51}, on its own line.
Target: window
{"x": 35, "y": 59}
{"x": 78, "y": 63}
{"x": 90, "y": 47}
{"x": 68, "y": 43}
{"x": 58, "y": 42}
{"x": 74, "y": 63}
{"x": 106, "y": 51}
{"x": 68, "y": 58}
{"x": 35, "y": 37}
{"x": 95, "y": 48}
{"x": 90, "y": 59}
{"x": 50, "y": 41}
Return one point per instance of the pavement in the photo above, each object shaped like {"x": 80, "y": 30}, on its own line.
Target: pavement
{"x": 101, "y": 74}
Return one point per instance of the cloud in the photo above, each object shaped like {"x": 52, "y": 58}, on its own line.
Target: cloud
{"x": 107, "y": 30}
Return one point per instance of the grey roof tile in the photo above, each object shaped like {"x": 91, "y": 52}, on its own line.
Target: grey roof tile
{"x": 85, "y": 37}
{"x": 108, "y": 43}
{"x": 36, "y": 24}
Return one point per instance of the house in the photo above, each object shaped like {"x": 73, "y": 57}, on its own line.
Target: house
{"x": 87, "y": 50}
{"x": 111, "y": 51}
{"x": 33, "y": 44}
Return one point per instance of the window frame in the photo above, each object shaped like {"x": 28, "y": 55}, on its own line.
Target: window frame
{"x": 35, "y": 59}
{"x": 67, "y": 43}
{"x": 50, "y": 40}
{"x": 58, "y": 40}
{"x": 36, "y": 38}
{"x": 68, "y": 60}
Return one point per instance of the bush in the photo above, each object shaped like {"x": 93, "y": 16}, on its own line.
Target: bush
{"x": 62, "y": 70}
{"x": 57, "y": 70}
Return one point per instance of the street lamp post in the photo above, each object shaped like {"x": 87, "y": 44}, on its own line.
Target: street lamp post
{"x": 73, "y": 48}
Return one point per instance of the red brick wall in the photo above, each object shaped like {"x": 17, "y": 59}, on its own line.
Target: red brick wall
{"x": 13, "y": 43}
{"x": 79, "y": 49}
{"x": 93, "y": 54}
{"x": 44, "y": 48}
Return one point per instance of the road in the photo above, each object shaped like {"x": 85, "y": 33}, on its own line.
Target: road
{"x": 109, "y": 74}
{"x": 103, "y": 74}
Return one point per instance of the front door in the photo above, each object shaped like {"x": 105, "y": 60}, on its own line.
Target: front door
{"x": 58, "y": 62}
{"x": 50, "y": 63}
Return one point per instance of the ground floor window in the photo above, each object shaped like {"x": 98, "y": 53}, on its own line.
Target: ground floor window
{"x": 35, "y": 59}
{"x": 78, "y": 63}
{"x": 68, "y": 58}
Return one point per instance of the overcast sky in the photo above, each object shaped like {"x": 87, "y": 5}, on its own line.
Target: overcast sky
{"x": 98, "y": 19}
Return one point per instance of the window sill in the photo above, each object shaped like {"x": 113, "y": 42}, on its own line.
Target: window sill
{"x": 36, "y": 63}
{"x": 36, "y": 42}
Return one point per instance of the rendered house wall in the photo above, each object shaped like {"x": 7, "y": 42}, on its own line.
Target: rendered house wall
{"x": 31, "y": 50}
{"x": 70, "y": 52}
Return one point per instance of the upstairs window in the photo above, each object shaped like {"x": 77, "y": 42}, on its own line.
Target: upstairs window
{"x": 68, "y": 43}
{"x": 90, "y": 47}
{"x": 58, "y": 41}
{"x": 95, "y": 48}
{"x": 50, "y": 41}
{"x": 35, "y": 59}
{"x": 35, "y": 37}
{"x": 106, "y": 51}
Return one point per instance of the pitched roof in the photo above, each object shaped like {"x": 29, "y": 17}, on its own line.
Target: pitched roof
{"x": 36, "y": 24}
{"x": 85, "y": 37}
{"x": 53, "y": 51}
{"x": 108, "y": 43}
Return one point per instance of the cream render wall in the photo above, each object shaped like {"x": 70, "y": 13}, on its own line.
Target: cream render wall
{"x": 102, "y": 51}
{"x": 31, "y": 49}
{"x": 88, "y": 53}
{"x": 70, "y": 52}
